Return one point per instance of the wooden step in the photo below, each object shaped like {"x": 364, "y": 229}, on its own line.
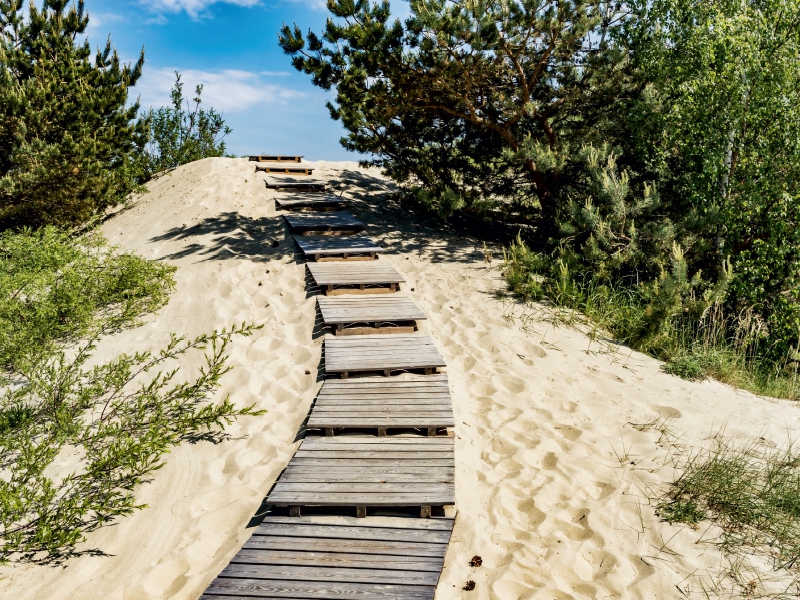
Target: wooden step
{"x": 338, "y": 222}
{"x": 336, "y": 278}
{"x": 303, "y": 201}
{"x": 327, "y": 248}
{"x": 418, "y": 401}
{"x": 290, "y": 183}
{"x": 359, "y": 315}
{"x": 307, "y": 480}
{"x": 283, "y": 169}
{"x": 387, "y": 353}
{"x": 276, "y": 158}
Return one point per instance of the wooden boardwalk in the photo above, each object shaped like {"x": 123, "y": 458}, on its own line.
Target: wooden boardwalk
{"x": 302, "y": 201}
{"x": 387, "y": 353}
{"x": 333, "y": 557}
{"x": 364, "y": 472}
{"x": 364, "y": 315}
{"x": 289, "y": 183}
{"x": 355, "y": 247}
{"x": 340, "y": 223}
{"x": 276, "y": 158}
{"x": 337, "y": 558}
{"x": 418, "y": 402}
{"x": 283, "y": 169}
{"x": 336, "y": 278}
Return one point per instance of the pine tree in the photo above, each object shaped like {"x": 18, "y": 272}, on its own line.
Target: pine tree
{"x": 68, "y": 142}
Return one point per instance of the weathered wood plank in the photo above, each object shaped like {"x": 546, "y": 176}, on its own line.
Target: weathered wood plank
{"x": 378, "y": 471}
{"x": 342, "y": 310}
{"x": 436, "y": 523}
{"x": 331, "y": 221}
{"x": 320, "y": 443}
{"x": 277, "y": 183}
{"x": 371, "y": 547}
{"x": 337, "y": 274}
{"x": 276, "y": 158}
{"x": 260, "y": 588}
{"x": 397, "y": 462}
{"x": 306, "y": 201}
{"x": 340, "y": 575}
{"x": 310, "y": 498}
{"x": 431, "y": 475}
{"x": 338, "y": 559}
{"x": 283, "y": 169}
{"x": 381, "y": 352}
{"x": 322, "y": 246}
{"x": 362, "y": 487}
{"x": 316, "y": 530}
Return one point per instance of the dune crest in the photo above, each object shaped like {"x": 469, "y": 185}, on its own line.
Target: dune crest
{"x": 551, "y": 476}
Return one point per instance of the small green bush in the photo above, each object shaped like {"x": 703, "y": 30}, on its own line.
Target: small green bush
{"x": 59, "y": 294}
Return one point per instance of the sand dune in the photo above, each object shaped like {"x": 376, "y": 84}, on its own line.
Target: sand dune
{"x": 552, "y": 479}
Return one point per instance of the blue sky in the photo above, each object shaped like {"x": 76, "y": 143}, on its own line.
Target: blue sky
{"x": 230, "y": 46}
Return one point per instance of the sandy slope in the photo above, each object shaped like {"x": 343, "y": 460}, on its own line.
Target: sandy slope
{"x": 541, "y": 493}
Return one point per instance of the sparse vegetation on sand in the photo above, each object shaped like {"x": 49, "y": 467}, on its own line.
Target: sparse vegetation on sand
{"x": 60, "y": 293}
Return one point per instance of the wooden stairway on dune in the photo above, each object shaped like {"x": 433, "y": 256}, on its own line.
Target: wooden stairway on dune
{"x": 399, "y": 390}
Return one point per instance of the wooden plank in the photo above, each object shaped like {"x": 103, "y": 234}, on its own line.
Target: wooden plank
{"x": 356, "y": 487}
{"x": 420, "y": 400}
{"x": 341, "y": 575}
{"x": 337, "y": 274}
{"x": 277, "y": 183}
{"x": 412, "y": 443}
{"x": 321, "y": 222}
{"x": 311, "y": 498}
{"x": 327, "y": 246}
{"x": 283, "y": 169}
{"x": 315, "y": 530}
{"x": 328, "y": 463}
{"x": 259, "y": 588}
{"x": 380, "y": 471}
{"x": 426, "y": 476}
{"x": 338, "y": 559}
{"x": 343, "y": 310}
{"x": 324, "y": 421}
{"x": 276, "y": 158}
{"x": 381, "y": 352}
{"x": 369, "y": 547}
{"x": 361, "y": 455}
{"x": 311, "y": 202}
{"x": 438, "y": 523}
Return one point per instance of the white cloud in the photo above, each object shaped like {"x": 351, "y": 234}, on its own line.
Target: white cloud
{"x": 193, "y": 7}
{"x": 98, "y": 24}
{"x": 226, "y": 91}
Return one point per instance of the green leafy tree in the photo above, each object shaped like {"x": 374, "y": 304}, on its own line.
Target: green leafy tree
{"x": 68, "y": 138}
{"x": 182, "y": 134}
{"x": 482, "y": 98}
{"x": 723, "y": 136}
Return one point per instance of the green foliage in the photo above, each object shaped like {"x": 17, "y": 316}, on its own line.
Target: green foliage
{"x": 685, "y": 366}
{"x": 180, "y": 135}
{"x": 723, "y": 134}
{"x": 649, "y": 149}
{"x": 68, "y": 142}
{"x": 56, "y": 287}
{"x": 751, "y": 491}
{"x": 59, "y": 294}
{"x": 118, "y": 421}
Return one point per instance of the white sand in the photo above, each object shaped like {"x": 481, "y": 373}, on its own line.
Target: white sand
{"x": 541, "y": 495}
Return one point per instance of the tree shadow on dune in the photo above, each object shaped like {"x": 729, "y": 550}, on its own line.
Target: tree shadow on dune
{"x": 231, "y": 235}
{"x": 376, "y": 201}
